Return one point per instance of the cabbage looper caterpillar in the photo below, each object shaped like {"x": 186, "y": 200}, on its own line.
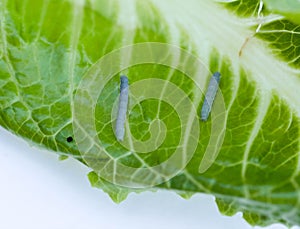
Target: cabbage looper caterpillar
{"x": 122, "y": 109}
{"x": 210, "y": 95}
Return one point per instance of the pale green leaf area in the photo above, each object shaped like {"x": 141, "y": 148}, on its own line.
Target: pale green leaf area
{"x": 48, "y": 47}
{"x": 290, "y": 8}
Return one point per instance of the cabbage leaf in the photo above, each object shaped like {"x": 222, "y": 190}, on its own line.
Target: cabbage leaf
{"x": 56, "y": 57}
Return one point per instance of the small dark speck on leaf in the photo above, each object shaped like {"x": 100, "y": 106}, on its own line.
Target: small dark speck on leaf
{"x": 69, "y": 139}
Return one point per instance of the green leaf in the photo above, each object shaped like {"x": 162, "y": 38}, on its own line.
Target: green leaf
{"x": 59, "y": 86}
{"x": 116, "y": 193}
{"x": 290, "y": 8}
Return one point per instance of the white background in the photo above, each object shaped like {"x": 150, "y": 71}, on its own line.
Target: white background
{"x": 39, "y": 192}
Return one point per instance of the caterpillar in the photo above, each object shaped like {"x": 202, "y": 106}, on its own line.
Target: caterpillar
{"x": 122, "y": 108}
{"x": 210, "y": 95}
